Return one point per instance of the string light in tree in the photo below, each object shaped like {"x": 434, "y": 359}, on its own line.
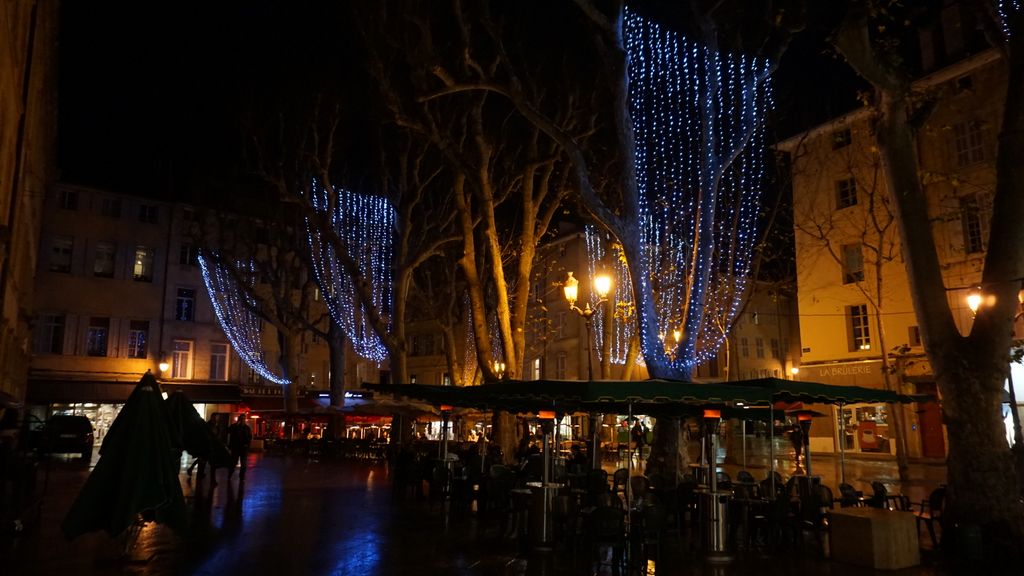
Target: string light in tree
{"x": 1008, "y": 10}
{"x": 621, "y": 296}
{"x": 469, "y": 365}
{"x": 699, "y": 159}
{"x": 365, "y": 224}
{"x": 235, "y": 308}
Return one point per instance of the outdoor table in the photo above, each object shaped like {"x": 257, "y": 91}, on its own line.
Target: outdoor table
{"x": 873, "y": 537}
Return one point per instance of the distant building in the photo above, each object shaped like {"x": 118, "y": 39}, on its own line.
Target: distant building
{"x": 119, "y": 292}
{"x": 846, "y": 239}
{"x": 28, "y": 112}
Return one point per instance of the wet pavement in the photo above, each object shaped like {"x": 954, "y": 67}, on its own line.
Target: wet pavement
{"x": 303, "y": 517}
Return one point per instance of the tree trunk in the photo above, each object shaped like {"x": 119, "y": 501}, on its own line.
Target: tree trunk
{"x": 336, "y": 344}
{"x": 289, "y": 342}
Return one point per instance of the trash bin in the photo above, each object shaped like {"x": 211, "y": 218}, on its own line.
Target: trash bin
{"x": 541, "y": 531}
{"x": 713, "y": 509}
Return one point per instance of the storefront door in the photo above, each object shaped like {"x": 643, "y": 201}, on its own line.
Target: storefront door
{"x": 929, "y": 417}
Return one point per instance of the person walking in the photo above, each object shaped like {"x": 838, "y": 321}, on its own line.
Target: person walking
{"x": 239, "y": 438}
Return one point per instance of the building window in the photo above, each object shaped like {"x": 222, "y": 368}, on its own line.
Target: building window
{"x": 853, "y": 263}
{"x": 774, "y": 342}
{"x": 535, "y": 369}
{"x": 914, "y": 335}
{"x": 181, "y": 359}
{"x": 185, "y": 305}
{"x": 560, "y": 325}
{"x": 143, "y": 267}
{"x": 967, "y": 143}
{"x": 61, "y": 248}
{"x": 970, "y": 218}
{"x": 841, "y": 138}
{"x": 138, "y": 339}
{"x": 759, "y": 347}
{"x": 148, "y": 213}
{"x": 846, "y": 193}
{"x": 67, "y": 199}
{"x": 110, "y": 207}
{"x": 744, "y": 347}
{"x": 218, "y": 361}
{"x": 103, "y": 263}
{"x": 188, "y": 255}
{"x": 50, "y": 334}
{"x": 423, "y": 345}
{"x": 560, "y": 362}
{"x": 860, "y": 335}
{"x": 96, "y": 336}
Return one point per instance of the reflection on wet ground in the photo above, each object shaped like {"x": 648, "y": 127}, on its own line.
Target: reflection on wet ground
{"x": 294, "y": 516}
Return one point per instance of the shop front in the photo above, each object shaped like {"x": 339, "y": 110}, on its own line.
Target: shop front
{"x": 868, "y": 428}
{"x": 101, "y": 400}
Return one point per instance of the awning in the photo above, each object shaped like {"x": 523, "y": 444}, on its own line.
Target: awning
{"x": 113, "y": 392}
{"x": 642, "y": 396}
{"x": 816, "y": 392}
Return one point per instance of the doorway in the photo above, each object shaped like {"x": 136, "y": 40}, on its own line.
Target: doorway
{"x": 929, "y": 418}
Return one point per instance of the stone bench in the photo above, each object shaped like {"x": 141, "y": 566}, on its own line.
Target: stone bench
{"x": 875, "y": 538}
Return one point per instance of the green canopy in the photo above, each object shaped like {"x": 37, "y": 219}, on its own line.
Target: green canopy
{"x": 654, "y": 396}
{"x": 816, "y": 392}
{"x": 645, "y": 396}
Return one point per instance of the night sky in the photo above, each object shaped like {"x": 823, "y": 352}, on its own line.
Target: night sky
{"x": 155, "y": 96}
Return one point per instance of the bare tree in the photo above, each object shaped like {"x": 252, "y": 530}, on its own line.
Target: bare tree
{"x": 970, "y": 370}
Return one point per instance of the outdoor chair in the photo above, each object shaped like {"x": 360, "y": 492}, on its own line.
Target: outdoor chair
{"x": 849, "y": 497}
{"x": 879, "y": 497}
{"x": 606, "y": 529}
{"x": 619, "y": 479}
{"x": 744, "y": 476}
{"x": 653, "y": 521}
{"x": 724, "y": 481}
{"x": 597, "y": 484}
{"x": 930, "y": 512}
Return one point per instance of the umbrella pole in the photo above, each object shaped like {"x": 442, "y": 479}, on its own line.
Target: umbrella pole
{"x": 743, "y": 438}
{"x": 629, "y": 484}
{"x": 842, "y": 444}
{"x": 771, "y": 446}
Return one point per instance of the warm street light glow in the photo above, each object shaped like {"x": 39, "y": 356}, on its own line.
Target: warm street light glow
{"x": 794, "y": 370}
{"x": 571, "y": 289}
{"x": 499, "y": 368}
{"x": 602, "y": 285}
{"x": 974, "y": 299}
{"x": 711, "y": 413}
{"x": 164, "y": 366}
{"x": 546, "y": 414}
{"x": 677, "y": 334}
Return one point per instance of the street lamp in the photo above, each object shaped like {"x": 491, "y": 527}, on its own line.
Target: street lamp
{"x": 603, "y": 286}
{"x": 974, "y": 299}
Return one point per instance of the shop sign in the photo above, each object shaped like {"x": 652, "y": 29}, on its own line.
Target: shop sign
{"x": 867, "y": 374}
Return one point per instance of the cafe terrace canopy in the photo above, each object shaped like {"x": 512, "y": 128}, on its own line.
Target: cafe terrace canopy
{"x": 653, "y": 396}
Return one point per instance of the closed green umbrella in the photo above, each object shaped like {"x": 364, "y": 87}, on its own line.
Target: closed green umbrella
{"x": 194, "y": 434}
{"x": 137, "y": 473}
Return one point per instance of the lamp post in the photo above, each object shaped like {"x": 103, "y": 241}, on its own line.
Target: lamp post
{"x": 602, "y": 285}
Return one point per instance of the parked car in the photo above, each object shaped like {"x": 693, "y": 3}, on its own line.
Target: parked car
{"x": 68, "y": 434}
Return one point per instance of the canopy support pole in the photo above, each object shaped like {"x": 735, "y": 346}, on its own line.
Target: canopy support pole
{"x": 771, "y": 446}
{"x": 842, "y": 443}
{"x": 743, "y": 438}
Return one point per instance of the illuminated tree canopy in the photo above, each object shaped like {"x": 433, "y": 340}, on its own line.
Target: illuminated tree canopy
{"x": 366, "y": 226}
{"x": 236, "y": 310}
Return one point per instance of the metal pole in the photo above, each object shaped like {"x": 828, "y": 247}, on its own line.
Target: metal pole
{"x": 743, "y": 437}
{"x": 595, "y": 449}
{"x": 771, "y": 446}
{"x": 590, "y": 355}
{"x": 1018, "y": 437}
{"x": 842, "y": 443}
